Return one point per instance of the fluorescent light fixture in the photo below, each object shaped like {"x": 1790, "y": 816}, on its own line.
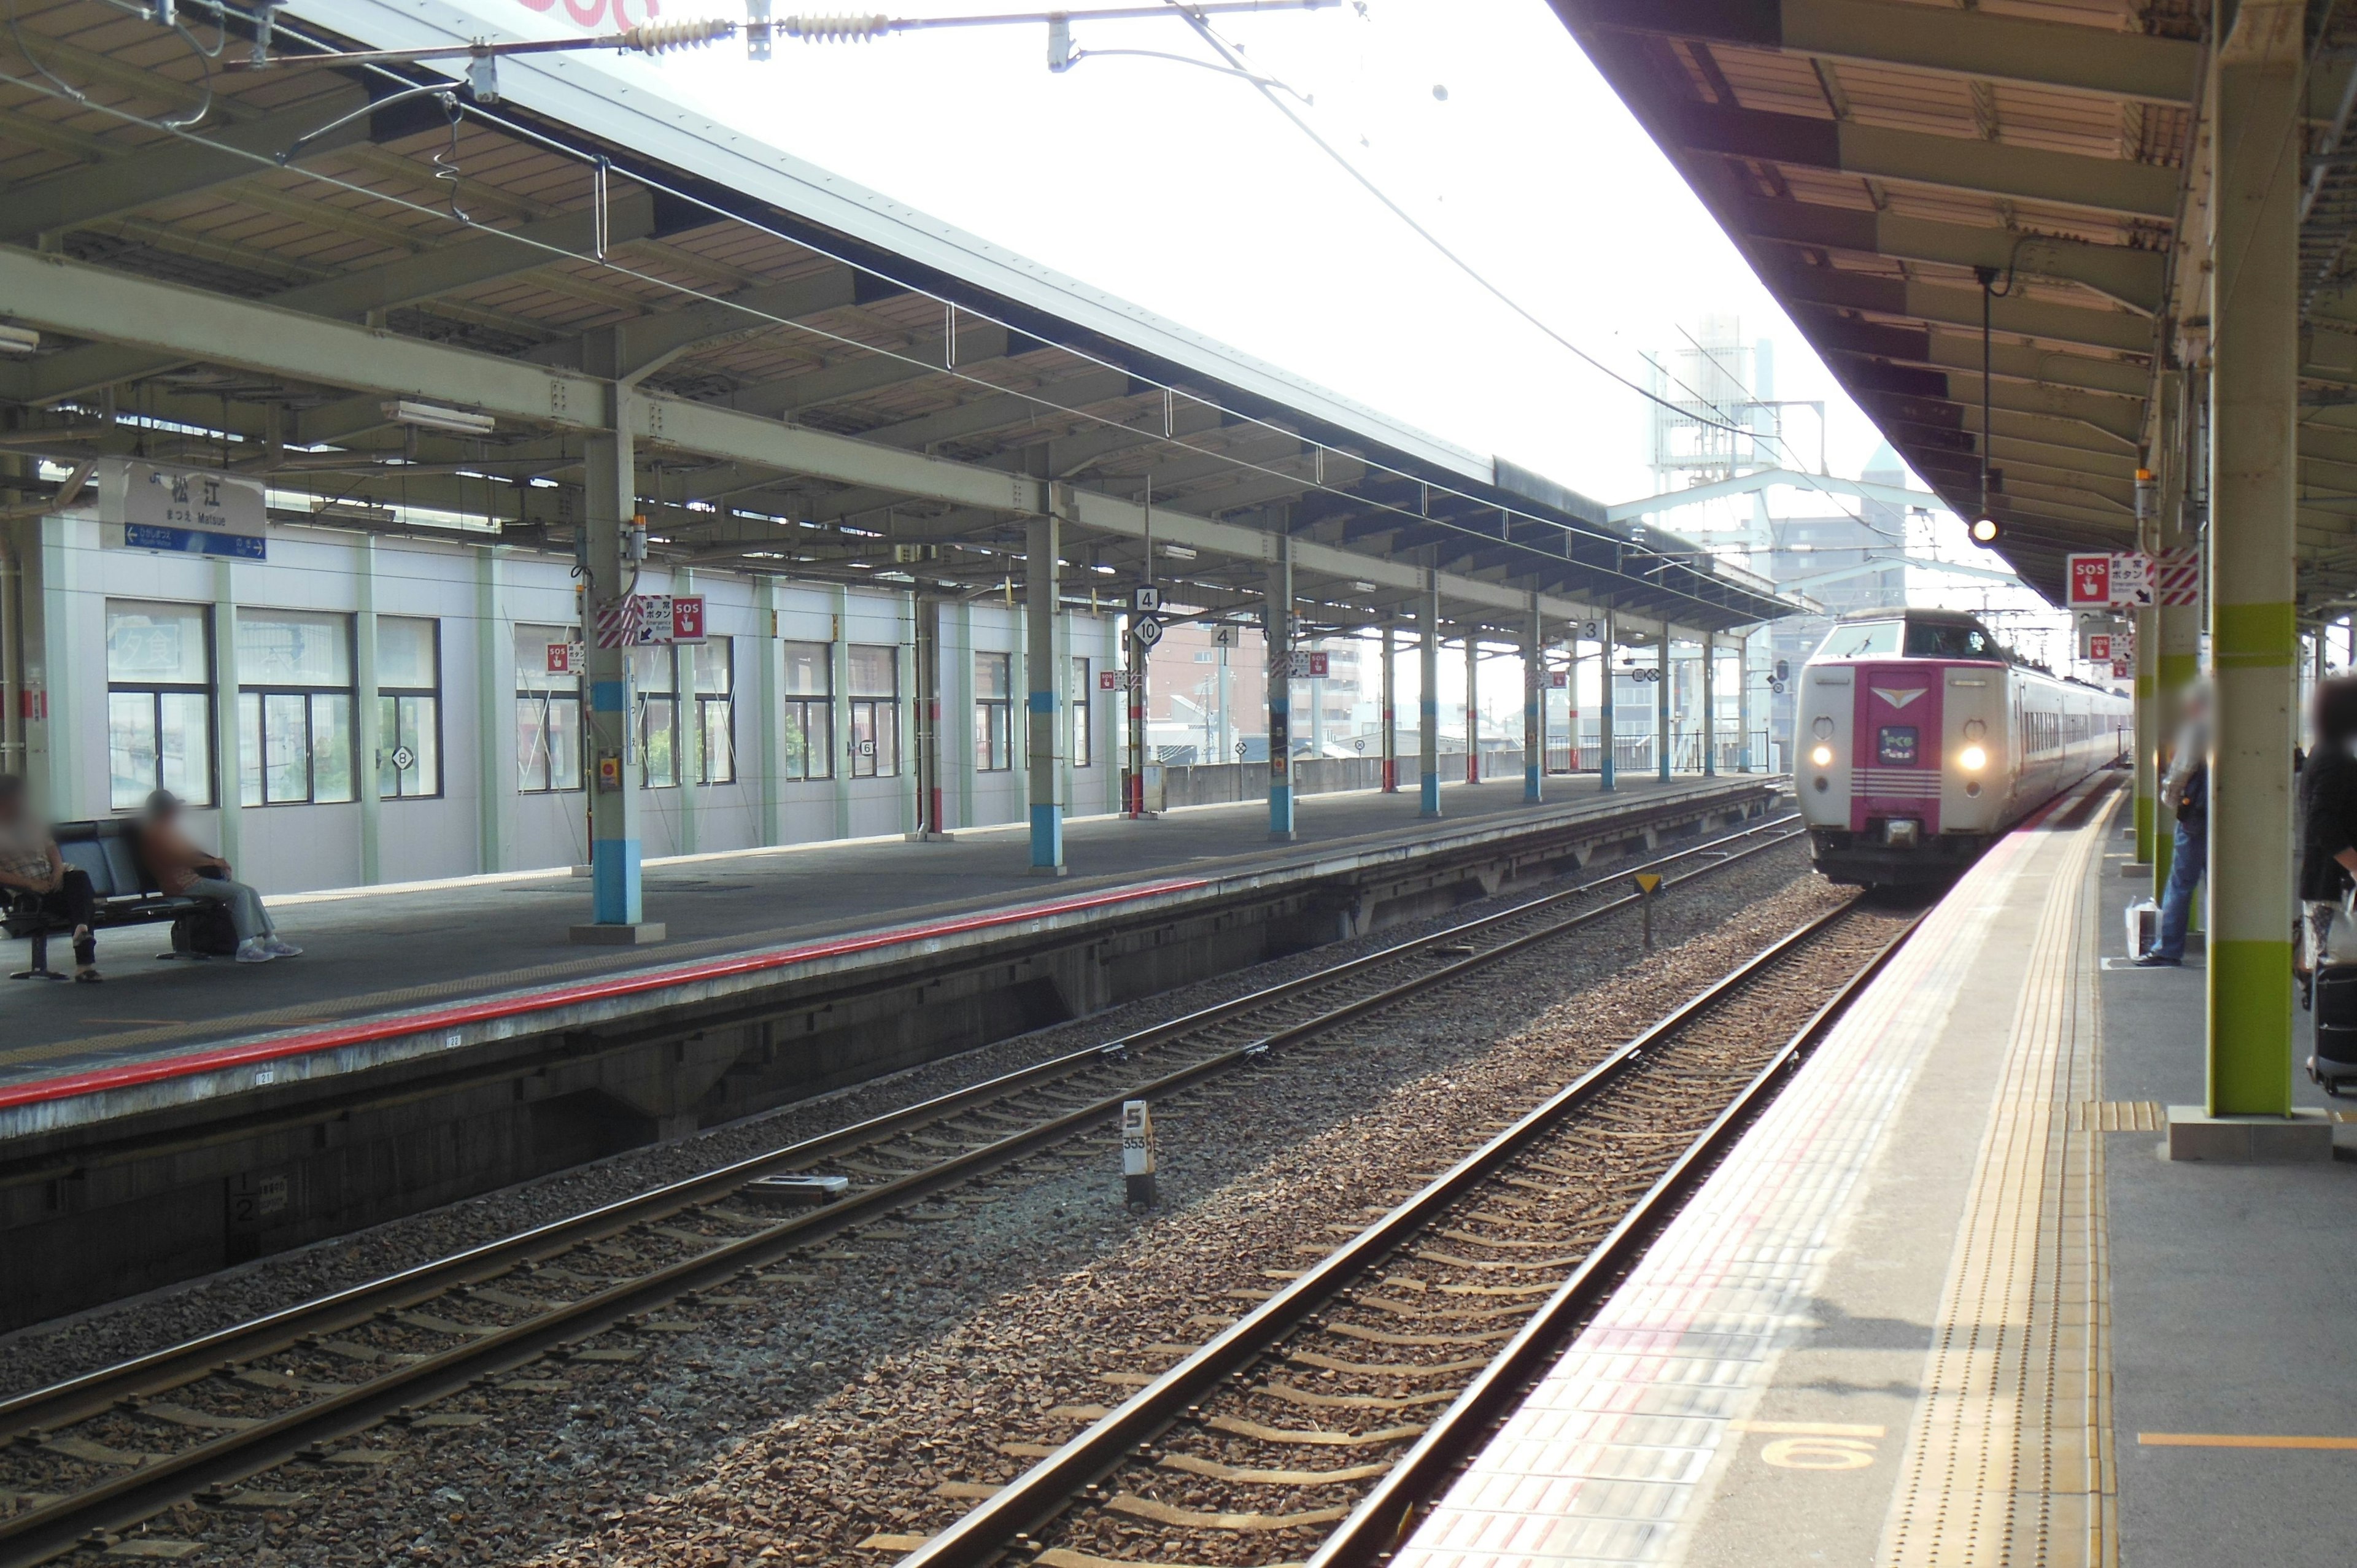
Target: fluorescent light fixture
{"x": 18, "y": 341}
{"x": 429, "y": 416}
{"x": 1179, "y": 551}
{"x": 1365, "y": 587}
{"x": 354, "y": 511}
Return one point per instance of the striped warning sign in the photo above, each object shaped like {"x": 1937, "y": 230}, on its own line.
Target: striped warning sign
{"x": 2177, "y": 576}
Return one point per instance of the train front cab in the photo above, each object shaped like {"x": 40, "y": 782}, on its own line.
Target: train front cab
{"x": 1903, "y": 775}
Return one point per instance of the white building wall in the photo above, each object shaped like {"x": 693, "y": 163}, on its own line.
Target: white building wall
{"x": 478, "y": 594}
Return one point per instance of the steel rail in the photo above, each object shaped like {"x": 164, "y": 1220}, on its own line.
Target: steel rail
{"x": 1382, "y": 1517}
{"x": 43, "y": 1533}
{"x": 78, "y": 1398}
{"x": 1028, "y": 1502}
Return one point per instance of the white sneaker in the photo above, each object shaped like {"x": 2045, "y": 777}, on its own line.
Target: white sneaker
{"x": 251, "y": 951}
{"x": 277, "y": 949}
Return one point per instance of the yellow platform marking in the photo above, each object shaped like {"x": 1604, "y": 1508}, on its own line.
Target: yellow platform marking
{"x": 2237, "y": 1440}
{"x": 2119, "y": 1116}
{"x": 2011, "y": 1458}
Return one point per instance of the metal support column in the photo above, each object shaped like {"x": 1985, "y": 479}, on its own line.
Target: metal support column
{"x": 2255, "y": 639}
{"x": 1605, "y": 738}
{"x": 1747, "y": 763}
{"x": 1277, "y": 613}
{"x": 1533, "y": 709}
{"x": 609, "y": 503}
{"x": 1391, "y": 714}
{"x": 1427, "y": 696}
{"x": 1472, "y": 707}
{"x": 1662, "y": 707}
{"x": 1710, "y": 704}
{"x": 1044, "y": 771}
{"x": 929, "y": 822}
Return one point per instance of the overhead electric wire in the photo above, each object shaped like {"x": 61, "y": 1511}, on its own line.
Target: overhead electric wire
{"x": 1204, "y": 30}
{"x": 264, "y": 161}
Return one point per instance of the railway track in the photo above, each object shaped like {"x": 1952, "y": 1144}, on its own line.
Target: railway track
{"x": 98, "y": 1454}
{"x": 1318, "y": 1422}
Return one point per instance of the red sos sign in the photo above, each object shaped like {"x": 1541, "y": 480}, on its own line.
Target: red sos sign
{"x": 687, "y": 618}
{"x": 2091, "y": 579}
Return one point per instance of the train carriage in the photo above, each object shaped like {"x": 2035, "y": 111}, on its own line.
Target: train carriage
{"x": 1920, "y": 740}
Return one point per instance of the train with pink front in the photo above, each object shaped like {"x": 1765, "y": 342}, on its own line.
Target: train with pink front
{"x": 1919, "y": 739}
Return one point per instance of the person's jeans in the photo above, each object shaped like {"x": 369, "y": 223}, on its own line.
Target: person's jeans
{"x": 72, "y": 899}
{"x": 244, "y": 903}
{"x": 2190, "y": 858}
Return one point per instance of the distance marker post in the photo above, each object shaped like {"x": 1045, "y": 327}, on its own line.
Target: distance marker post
{"x": 1648, "y": 883}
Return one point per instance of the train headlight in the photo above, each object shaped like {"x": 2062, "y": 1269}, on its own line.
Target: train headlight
{"x": 1823, "y": 728}
{"x": 1822, "y": 756}
{"x": 1971, "y": 759}
{"x": 1974, "y": 729}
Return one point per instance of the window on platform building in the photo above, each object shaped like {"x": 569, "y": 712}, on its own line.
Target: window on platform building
{"x": 160, "y": 701}
{"x": 408, "y": 707}
{"x": 809, "y": 710}
{"x": 293, "y": 707}
{"x": 715, "y": 710}
{"x": 993, "y": 712}
{"x": 548, "y": 711}
{"x": 1082, "y": 712}
{"x": 655, "y": 674}
{"x": 875, "y": 712}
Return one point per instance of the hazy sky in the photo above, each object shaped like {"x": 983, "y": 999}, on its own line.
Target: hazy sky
{"x": 1185, "y": 191}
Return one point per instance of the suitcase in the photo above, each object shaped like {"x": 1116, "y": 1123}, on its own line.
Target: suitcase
{"x": 210, "y": 933}
{"x": 2335, "y": 1061}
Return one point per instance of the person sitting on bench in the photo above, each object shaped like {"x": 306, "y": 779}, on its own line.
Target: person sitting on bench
{"x": 185, "y": 871}
{"x": 29, "y": 863}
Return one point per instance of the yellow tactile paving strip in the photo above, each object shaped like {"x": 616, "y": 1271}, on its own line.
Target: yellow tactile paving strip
{"x": 2010, "y": 1459}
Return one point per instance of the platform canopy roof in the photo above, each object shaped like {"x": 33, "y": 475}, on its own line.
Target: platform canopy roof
{"x": 256, "y": 268}
{"x": 1867, "y": 155}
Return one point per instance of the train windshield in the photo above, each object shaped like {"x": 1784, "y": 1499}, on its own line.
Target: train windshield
{"x": 1867, "y": 639}
{"x": 1932, "y": 640}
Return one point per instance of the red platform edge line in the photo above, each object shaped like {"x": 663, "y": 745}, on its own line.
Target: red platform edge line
{"x": 278, "y": 1047}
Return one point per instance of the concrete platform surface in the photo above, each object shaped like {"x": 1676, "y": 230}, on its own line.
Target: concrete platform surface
{"x": 1949, "y": 1303}
{"x": 378, "y": 951}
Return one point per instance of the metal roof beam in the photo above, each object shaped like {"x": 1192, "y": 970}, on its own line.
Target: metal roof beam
{"x": 1966, "y": 43}
{"x": 2133, "y": 277}
{"x": 457, "y": 265}
{"x": 85, "y": 301}
{"x": 1918, "y": 158}
{"x": 858, "y": 374}
{"x": 1001, "y": 410}
{"x": 177, "y": 166}
{"x": 1841, "y": 338}
{"x": 1806, "y": 285}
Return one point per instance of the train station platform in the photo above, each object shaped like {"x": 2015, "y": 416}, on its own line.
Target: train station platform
{"x": 440, "y": 1040}
{"x": 431, "y": 952}
{"x": 1948, "y": 1302}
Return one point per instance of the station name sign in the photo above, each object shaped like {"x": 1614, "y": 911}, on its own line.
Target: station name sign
{"x": 191, "y": 512}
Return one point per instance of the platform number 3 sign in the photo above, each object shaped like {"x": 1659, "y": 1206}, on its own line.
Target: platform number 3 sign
{"x": 1812, "y": 1444}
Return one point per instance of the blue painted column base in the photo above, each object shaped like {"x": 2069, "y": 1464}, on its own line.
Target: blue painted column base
{"x": 1280, "y": 811}
{"x": 1431, "y": 795}
{"x": 1046, "y": 841}
{"x": 1530, "y": 787}
{"x": 1604, "y": 772}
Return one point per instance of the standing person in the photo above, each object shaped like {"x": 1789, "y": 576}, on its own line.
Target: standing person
{"x": 2327, "y": 824}
{"x": 187, "y": 872}
{"x": 31, "y": 865}
{"x": 2186, "y": 789}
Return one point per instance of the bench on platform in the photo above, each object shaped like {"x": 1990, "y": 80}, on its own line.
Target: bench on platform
{"x": 126, "y": 893}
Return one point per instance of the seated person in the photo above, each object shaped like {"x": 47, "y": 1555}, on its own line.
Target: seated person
{"x": 31, "y": 865}
{"x": 185, "y": 871}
